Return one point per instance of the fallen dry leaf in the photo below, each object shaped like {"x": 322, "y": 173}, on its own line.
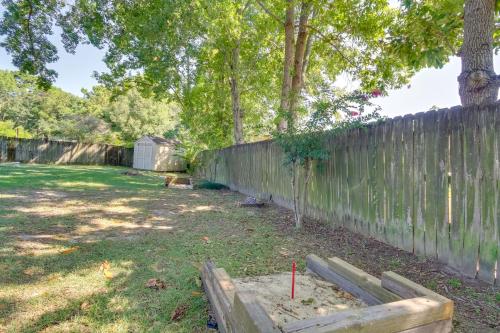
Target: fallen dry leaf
{"x": 70, "y": 250}
{"x": 346, "y": 295}
{"x": 179, "y": 312}
{"x": 283, "y": 253}
{"x": 156, "y": 284}
{"x": 108, "y": 275}
{"x": 104, "y": 266}
{"x": 195, "y": 293}
{"x": 85, "y": 305}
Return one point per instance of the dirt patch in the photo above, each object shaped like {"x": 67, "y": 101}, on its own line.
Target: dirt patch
{"x": 313, "y": 297}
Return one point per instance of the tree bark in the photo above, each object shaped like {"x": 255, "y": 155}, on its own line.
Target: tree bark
{"x": 478, "y": 83}
{"x": 235, "y": 96}
{"x": 300, "y": 49}
{"x": 307, "y": 55}
{"x": 287, "y": 66}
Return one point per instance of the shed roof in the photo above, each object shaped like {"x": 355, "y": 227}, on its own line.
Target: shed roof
{"x": 160, "y": 141}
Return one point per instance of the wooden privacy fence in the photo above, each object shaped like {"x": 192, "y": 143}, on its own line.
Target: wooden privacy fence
{"x": 63, "y": 152}
{"x": 428, "y": 183}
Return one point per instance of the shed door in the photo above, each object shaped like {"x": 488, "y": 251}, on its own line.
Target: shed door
{"x": 139, "y": 155}
{"x": 148, "y": 157}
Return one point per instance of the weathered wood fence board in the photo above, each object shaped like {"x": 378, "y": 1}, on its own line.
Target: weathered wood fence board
{"x": 427, "y": 183}
{"x": 63, "y": 152}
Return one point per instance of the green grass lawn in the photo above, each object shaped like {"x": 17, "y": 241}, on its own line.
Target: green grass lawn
{"x": 79, "y": 243}
{"x": 59, "y": 224}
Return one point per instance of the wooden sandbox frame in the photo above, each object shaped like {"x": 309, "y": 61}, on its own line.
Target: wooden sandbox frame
{"x": 395, "y": 304}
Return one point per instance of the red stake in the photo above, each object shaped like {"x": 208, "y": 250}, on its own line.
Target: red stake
{"x": 294, "y": 267}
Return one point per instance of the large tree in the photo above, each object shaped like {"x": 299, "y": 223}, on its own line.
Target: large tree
{"x": 428, "y": 32}
{"x": 478, "y": 83}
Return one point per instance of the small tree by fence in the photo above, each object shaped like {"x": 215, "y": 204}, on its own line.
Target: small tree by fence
{"x": 333, "y": 115}
{"x": 63, "y": 152}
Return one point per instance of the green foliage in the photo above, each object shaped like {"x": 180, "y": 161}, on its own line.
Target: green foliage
{"x": 26, "y": 26}
{"x": 426, "y": 33}
{"x": 333, "y": 114}
{"x": 183, "y": 51}
{"x": 98, "y": 117}
{"x": 455, "y": 283}
{"x": 7, "y": 129}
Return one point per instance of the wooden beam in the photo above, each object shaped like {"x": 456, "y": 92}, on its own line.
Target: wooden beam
{"x": 250, "y": 316}
{"x": 385, "y": 318}
{"x": 442, "y": 326}
{"x": 364, "y": 280}
{"x": 409, "y": 289}
{"x": 321, "y": 267}
{"x": 220, "y": 292}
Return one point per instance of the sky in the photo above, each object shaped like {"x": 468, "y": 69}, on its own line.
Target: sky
{"x": 428, "y": 88}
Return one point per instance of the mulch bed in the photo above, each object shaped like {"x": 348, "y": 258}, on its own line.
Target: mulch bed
{"x": 477, "y": 308}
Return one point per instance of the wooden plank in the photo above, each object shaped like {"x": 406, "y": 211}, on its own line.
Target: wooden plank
{"x": 364, "y": 280}
{"x": 409, "y": 289}
{"x": 488, "y": 250}
{"x": 387, "y": 155}
{"x": 250, "y": 316}
{"x": 321, "y": 267}
{"x": 385, "y": 318}
{"x": 379, "y": 194}
{"x": 457, "y": 227}
{"x": 442, "y": 326}
{"x": 430, "y": 179}
{"x": 407, "y": 182}
{"x": 399, "y": 206}
{"x": 472, "y": 176}
{"x": 391, "y": 224}
{"x": 419, "y": 185}
{"x": 441, "y": 188}
{"x": 220, "y": 292}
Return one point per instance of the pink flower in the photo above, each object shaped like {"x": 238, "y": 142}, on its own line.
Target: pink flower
{"x": 376, "y": 92}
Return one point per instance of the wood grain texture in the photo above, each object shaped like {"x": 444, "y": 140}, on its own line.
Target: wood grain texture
{"x": 364, "y": 280}
{"x": 250, "y": 316}
{"x": 321, "y": 267}
{"x": 220, "y": 292}
{"x": 442, "y": 326}
{"x": 385, "y": 318}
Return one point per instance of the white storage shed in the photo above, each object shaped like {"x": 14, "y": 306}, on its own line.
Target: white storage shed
{"x": 158, "y": 154}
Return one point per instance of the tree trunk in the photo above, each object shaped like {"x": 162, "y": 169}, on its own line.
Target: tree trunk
{"x": 307, "y": 54}
{"x": 235, "y": 95}
{"x": 287, "y": 66}
{"x": 300, "y": 49}
{"x": 478, "y": 83}
{"x": 296, "y": 196}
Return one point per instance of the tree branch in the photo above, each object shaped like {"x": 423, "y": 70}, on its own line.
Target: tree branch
{"x": 329, "y": 40}
{"x": 269, "y": 12}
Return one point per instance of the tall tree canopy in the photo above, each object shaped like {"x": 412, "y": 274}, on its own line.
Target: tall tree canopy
{"x": 238, "y": 68}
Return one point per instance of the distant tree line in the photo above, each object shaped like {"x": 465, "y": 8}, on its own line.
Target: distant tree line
{"x": 100, "y": 116}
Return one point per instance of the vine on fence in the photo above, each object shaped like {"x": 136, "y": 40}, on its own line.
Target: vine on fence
{"x": 333, "y": 115}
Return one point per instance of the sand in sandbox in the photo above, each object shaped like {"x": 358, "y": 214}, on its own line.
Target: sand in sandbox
{"x": 313, "y": 297}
